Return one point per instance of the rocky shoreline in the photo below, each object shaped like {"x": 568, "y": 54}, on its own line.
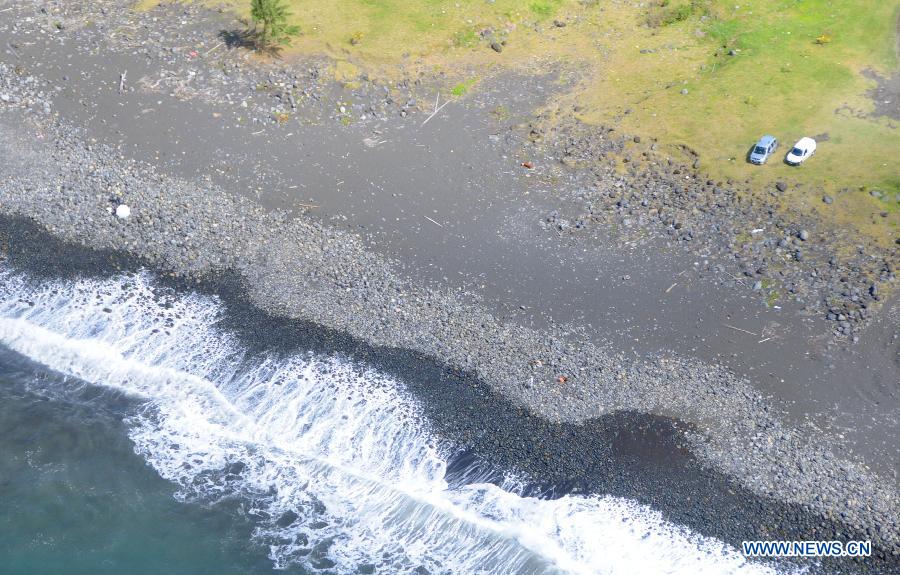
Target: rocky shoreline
{"x": 780, "y": 254}
{"x": 299, "y": 268}
{"x": 626, "y": 454}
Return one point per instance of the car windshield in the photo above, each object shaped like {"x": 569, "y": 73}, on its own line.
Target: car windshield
{"x": 797, "y": 152}
{"x": 759, "y": 150}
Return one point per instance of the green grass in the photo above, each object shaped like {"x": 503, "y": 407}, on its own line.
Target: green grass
{"x": 389, "y": 29}
{"x": 666, "y": 13}
{"x": 764, "y": 72}
{"x": 463, "y": 87}
{"x": 749, "y": 68}
{"x": 544, "y": 8}
{"x": 466, "y": 38}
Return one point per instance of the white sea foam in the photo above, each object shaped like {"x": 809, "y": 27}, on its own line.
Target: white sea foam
{"x": 339, "y": 467}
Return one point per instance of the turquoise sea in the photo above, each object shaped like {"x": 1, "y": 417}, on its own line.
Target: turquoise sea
{"x": 139, "y": 435}
{"x": 76, "y": 499}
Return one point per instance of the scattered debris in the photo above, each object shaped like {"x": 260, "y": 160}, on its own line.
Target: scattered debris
{"x": 432, "y": 221}
{"x": 436, "y": 109}
{"x": 211, "y": 50}
{"x": 741, "y": 330}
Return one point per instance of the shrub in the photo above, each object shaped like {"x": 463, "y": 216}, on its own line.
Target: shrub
{"x": 664, "y": 14}
{"x": 273, "y": 16}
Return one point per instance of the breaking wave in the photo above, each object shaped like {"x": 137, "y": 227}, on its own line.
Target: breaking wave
{"x": 340, "y": 469}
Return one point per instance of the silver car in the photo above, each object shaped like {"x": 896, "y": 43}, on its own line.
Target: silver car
{"x": 763, "y": 149}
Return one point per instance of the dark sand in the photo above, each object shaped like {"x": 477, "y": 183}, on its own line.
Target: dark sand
{"x": 633, "y": 455}
{"x": 384, "y": 179}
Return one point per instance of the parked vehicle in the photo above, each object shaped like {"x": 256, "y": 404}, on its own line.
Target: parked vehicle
{"x": 763, "y": 149}
{"x": 802, "y": 150}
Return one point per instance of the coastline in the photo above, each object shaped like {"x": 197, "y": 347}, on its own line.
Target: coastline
{"x": 371, "y": 305}
{"x": 636, "y": 456}
{"x": 494, "y": 352}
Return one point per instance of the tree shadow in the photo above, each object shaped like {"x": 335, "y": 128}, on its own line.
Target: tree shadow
{"x": 249, "y": 39}
{"x": 238, "y": 38}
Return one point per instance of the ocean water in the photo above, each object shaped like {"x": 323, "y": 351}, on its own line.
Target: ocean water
{"x": 140, "y": 437}
{"x": 75, "y": 498}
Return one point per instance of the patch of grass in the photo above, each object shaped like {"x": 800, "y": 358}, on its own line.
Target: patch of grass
{"x": 791, "y": 68}
{"x": 544, "y": 8}
{"x": 466, "y": 38}
{"x": 463, "y": 87}
{"x": 387, "y": 30}
{"x": 666, "y": 13}
{"x": 764, "y": 69}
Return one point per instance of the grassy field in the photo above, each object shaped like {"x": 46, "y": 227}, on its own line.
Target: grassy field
{"x": 709, "y": 75}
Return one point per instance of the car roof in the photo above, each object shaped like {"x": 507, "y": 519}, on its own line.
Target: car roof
{"x": 766, "y": 140}
{"x": 805, "y": 141}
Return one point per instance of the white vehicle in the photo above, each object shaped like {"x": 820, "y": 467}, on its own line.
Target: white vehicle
{"x": 803, "y": 149}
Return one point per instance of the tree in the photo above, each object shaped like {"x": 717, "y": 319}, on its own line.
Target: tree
{"x": 273, "y": 16}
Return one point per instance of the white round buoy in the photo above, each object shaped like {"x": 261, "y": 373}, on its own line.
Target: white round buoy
{"x": 123, "y": 211}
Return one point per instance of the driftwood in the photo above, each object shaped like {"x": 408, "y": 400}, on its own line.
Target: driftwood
{"x": 432, "y": 221}
{"x": 739, "y": 329}
{"x": 210, "y": 51}
{"x": 436, "y": 109}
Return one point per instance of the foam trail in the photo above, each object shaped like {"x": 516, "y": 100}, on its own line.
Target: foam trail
{"x": 334, "y": 459}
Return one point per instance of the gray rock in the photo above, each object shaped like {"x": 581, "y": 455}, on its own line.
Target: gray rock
{"x": 780, "y": 186}
{"x": 827, "y": 199}
{"x": 803, "y": 235}
{"x": 497, "y": 47}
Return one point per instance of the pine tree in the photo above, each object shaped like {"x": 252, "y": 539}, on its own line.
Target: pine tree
{"x": 273, "y": 16}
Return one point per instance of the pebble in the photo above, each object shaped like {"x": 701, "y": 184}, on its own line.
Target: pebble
{"x": 348, "y": 288}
